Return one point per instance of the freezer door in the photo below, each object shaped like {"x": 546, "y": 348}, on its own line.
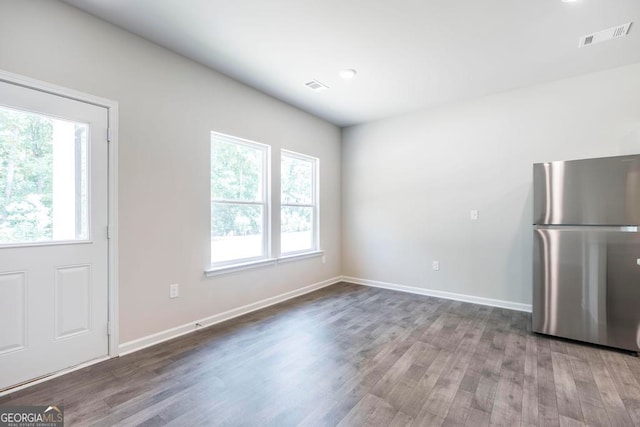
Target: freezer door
{"x": 587, "y": 192}
{"x": 587, "y": 285}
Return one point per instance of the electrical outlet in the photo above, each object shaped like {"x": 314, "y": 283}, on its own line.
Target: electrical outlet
{"x": 174, "y": 290}
{"x": 324, "y": 259}
{"x": 474, "y": 215}
{"x": 435, "y": 265}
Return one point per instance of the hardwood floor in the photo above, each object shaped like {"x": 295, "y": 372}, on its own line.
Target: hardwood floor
{"x": 349, "y": 355}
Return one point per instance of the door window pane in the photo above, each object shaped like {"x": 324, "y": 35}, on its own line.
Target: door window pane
{"x": 43, "y": 178}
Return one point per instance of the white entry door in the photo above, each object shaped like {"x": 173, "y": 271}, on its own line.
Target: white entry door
{"x": 53, "y": 233}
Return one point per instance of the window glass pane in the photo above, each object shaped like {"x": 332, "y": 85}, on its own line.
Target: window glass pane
{"x": 297, "y": 181}
{"x": 43, "y": 178}
{"x": 236, "y": 231}
{"x": 236, "y": 171}
{"x": 297, "y": 228}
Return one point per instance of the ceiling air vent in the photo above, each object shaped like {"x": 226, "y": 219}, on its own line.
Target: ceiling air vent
{"x": 604, "y": 35}
{"x": 316, "y": 86}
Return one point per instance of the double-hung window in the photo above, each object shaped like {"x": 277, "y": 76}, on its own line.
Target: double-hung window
{"x": 299, "y": 203}
{"x": 239, "y": 200}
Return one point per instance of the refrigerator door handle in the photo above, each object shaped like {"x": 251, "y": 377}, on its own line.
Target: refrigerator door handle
{"x": 623, "y": 228}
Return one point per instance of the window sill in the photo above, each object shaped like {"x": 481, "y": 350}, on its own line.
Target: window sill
{"x": 295, "y": 257}
{"x": 233, "y": 268}
{"x": 226, "y": 269}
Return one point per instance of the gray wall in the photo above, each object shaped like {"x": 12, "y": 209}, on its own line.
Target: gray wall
{"x": 407, "y": 187}
{"x": 168, "y": 106}
{"x": 410, "y": 182}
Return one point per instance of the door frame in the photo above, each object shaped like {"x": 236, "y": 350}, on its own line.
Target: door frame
{"x": 112, "y": 194}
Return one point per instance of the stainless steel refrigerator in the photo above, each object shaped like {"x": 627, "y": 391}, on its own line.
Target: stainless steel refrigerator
{"x": 586, "y": 260}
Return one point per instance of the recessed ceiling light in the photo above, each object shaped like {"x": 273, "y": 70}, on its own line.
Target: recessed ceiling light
{"x": 349, "y": 73}
{"x": 569, "y": 1}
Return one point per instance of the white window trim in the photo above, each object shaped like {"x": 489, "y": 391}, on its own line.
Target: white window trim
{"x": 234, "y": 268}
{"x": 242, "y": 263}
{"x": 315, "y": 205}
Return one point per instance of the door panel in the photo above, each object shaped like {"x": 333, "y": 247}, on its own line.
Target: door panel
{"x": 587, "y": 286}
{"x": 53, "y": 240}
{"x": 73, "y": 300}
{"x": 12, "y": 312}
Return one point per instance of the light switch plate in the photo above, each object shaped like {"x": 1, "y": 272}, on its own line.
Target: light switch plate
{"x": 474, "y": 215}
{"x": 174, "y": 290}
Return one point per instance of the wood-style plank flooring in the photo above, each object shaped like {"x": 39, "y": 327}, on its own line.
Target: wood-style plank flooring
{"x": 349, "y": 355}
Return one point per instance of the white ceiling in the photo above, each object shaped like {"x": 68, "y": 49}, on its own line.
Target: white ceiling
{"x": 410, "y": 54}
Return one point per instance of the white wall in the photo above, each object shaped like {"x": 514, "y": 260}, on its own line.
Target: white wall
{"x": 410, "y": 182}
{"x": 168, "y": 106}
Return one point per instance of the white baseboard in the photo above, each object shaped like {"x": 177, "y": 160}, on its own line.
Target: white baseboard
{"x": 440, "y": 294}
{"x": 157, "y": 338}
